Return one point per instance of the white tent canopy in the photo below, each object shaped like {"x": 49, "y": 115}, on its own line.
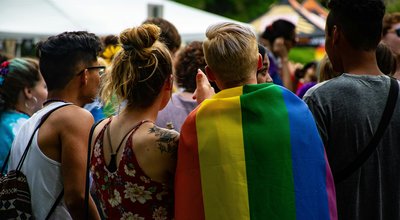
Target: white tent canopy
{"x": 41, "y": 18}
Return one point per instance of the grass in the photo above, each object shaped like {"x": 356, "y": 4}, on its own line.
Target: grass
{"x": 302, "y": 54}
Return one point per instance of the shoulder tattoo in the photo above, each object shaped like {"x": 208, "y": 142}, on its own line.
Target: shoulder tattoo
{"x": 167, "y": 141}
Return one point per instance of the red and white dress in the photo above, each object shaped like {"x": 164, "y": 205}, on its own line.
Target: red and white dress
{"x": 128, "y": 193}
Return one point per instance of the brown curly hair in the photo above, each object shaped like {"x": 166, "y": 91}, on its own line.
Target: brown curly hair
{"x": 189, "y": 60}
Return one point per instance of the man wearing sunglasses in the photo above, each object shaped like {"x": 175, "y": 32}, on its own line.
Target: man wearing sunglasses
{"x": 56, "y": 160}
{"x": 391, "y": 37}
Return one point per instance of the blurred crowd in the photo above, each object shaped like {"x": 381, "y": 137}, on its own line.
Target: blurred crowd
{"x": 225, "y": 128}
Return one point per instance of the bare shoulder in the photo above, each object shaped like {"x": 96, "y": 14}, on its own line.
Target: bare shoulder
{"x": 72, "y": 118}
{"x": 99, "y": 126}
{"x": 71, "y": 114}
{"x": 166, "y": 140}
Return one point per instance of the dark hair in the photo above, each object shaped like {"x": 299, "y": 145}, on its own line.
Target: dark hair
{"x": 169, "y": 34}
{"x": 60, "y": 56}
{"x": 300, "y": 73}
{"x": 189, "y": 59}
{"x": 279, "y": 28}
{"x": 20, "y": 73}
{"x": 359, "y": 20}
{"x": 386, "y": 60}
{"x": 110, "y": 40}
{"x": 139, "y": 69}
{"x": 262, "y": 50}
{"x": 110, "y": 48}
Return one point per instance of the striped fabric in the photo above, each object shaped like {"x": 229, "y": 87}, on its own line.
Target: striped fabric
{"x": 253, "y": 152}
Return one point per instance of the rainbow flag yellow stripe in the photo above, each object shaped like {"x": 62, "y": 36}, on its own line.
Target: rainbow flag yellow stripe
{"x": 252, "y": 152}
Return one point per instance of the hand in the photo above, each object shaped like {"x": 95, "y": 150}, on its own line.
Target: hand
{"x": 204, "y": 89}
{"x": 279, "y": 48}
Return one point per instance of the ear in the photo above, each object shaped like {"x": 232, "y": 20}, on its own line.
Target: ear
{"x": 27, "y": 93}
{"x": 169, "y": 83}
{"x": 335, "y": 34}
{"x": 210, "y": 74}
{"x": 260, "y": 61}
{"x": 84, "y": 78}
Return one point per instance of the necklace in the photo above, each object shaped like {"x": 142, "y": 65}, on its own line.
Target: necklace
{"x": 53, "y": 100}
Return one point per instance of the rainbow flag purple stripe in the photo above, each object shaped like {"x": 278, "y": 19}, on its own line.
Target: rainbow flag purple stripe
{"x": 253, "y": 152}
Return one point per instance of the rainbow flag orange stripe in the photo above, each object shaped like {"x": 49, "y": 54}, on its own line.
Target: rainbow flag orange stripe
{"x": 253, "y": 152}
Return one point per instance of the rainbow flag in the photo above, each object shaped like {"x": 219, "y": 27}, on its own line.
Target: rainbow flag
{"x": 253, "y": 152}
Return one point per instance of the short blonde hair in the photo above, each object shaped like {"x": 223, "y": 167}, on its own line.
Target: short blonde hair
{"x": 231, "y": 52}
{"x": 139, "y": 69}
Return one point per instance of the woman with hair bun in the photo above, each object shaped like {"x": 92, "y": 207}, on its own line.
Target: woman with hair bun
{"x": 22, "y": 93}
{"x": 133, "y": 161}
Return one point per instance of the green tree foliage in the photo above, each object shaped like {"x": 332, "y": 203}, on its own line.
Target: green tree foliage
{"x": 241, "y": 10}
{"x": 248, "y": 10}
{"x": 392, "y": 6}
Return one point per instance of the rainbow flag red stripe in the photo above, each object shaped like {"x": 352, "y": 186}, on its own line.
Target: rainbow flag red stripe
{"x": 253, "y": 152}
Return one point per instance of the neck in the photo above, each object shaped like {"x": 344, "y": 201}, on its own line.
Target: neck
{"x": 252, "y": 80}
{"x": 132, "y": 115}
{"x": 397, "y": 73}
{"x": 21, "y": 107}
{"x": 54, "y": 96}
{"x": 23, "y": 112}
{"x": 360, "y": 62}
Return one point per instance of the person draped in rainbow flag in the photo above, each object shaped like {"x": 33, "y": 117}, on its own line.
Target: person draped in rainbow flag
{"x": 250, "y": 151}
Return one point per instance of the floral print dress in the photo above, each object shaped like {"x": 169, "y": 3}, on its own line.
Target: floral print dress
{"x": 128, "y": 193}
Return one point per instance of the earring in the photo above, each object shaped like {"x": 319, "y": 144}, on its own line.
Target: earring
{"x": 33, "y": 106}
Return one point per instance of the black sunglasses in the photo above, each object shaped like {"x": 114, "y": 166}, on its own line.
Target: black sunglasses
{"x": 102, "y": 69}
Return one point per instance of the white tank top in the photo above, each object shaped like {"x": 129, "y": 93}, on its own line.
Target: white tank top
{"x": 43, "y": 174}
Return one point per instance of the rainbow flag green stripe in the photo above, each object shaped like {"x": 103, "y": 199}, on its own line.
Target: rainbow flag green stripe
{"x": 244, "y": 154}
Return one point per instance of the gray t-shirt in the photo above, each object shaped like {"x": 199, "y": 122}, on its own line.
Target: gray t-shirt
{"x": 347, "y": 110}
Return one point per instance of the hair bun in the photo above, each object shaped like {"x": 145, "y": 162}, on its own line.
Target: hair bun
{"x": 140, "y": 38}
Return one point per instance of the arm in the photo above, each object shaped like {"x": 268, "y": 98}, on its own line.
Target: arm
{"x": 280, "y": 49}
{"x": 74, "y": 144}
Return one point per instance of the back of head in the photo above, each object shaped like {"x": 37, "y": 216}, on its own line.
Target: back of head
{"x": 15, "y": 75}
{"x": 389, "y": 20}
{"x": 169, "y": 34}
{"x": 231, "y": 52}
{"x": 279, "y": 28}
{"x": 189, "y": 59}
{"x": 359, "y": 20}
{"x": 62, "y": 56}
{"x": 140, "y": 68}
{"x": 386, "y": 60}
{"x": 307, "y": 72}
